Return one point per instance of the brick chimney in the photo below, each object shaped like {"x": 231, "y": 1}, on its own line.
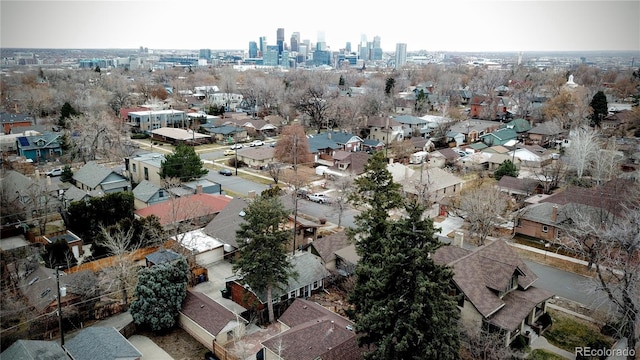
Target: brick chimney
{"x": 554, "y": 213}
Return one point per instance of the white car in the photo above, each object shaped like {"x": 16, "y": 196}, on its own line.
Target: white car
{"x": 319, "y": 198}
{"x": 236, "y": 146}
{"x": 54, "y": 172}
{"x": 256, "y": 143}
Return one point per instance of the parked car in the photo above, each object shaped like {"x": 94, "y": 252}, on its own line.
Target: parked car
{"x": 256, "y": 143}
{"x": 302, "y": 193}
{"x": 225, "y": 172}
{"x": 229, "y": 152}
{"x": 319, "y": 198}
{"x": 54, "y": 172}
{"x": 236, "y": 146}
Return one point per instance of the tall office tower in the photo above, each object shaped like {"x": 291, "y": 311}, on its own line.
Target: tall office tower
{"x": 295, "y": 41}
{"x": 263, "y": 45}
{"x": 205, "y": 54}
{"x": 280, "y": 40}
{"x": 376, "y": 41}
{"x": 401, "y": 55}
{"x": 348, "y": 47}
{"x": 253, "y": 49}
{"x": 284, "y": 59}
{"x": 322, "y": 41}
{"x": 270, "y": 56}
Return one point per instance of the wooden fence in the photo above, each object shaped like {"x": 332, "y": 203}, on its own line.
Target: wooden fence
{"x": 222, "y": 353}
{"x": 110, "y": 261}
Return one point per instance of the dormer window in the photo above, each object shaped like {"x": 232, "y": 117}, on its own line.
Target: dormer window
{"x": 514, "y": 282}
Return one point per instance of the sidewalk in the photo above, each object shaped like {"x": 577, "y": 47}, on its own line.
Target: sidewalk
{"x": 542, "y": 343}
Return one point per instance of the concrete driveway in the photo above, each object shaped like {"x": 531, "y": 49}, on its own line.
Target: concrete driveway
{"x": 148, "y": 348}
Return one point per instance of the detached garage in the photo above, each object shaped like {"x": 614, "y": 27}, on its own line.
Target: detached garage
{"x": 205, "y": 248}
{"x": 209, "y": 322}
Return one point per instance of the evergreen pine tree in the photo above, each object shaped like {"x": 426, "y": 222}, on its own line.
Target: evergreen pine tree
{"x": 263, "y": 261}
{"x": 600, "y": 108}
{"x": 184, "y": 164}
{"x": 159, "y": 295}
{"x": 507, "y": 168}
{"x": 402, "y": 309}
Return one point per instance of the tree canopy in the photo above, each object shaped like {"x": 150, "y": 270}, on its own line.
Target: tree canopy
{"x": 401, "y": 297}
{"x": 293, "y": 146}
{"x": 263, "y": 261}
{"x": 507, "y": 168}
{"x": 184, "y": 164}
{"x": 85, "y": 218}
{"x": 159, "y": 295}
{"x": 600, "y": 108}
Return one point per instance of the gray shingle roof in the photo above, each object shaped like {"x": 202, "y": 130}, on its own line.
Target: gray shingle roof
{"x": 101, "y": 343}
{"x": 92, "y": 174}
{"x": 162, "y": 256}
{"x": 34, "y": 350}
{"x": 224, "y": 226}
{"x": 328, "y": 245}
{"x": 145, "y": 190}
{"x": 206, "y": 312}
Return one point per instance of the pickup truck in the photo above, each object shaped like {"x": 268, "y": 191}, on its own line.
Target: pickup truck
{"x": 319, "y": 198}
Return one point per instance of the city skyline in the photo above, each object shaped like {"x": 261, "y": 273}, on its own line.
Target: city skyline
{"x": 488, "y": 26}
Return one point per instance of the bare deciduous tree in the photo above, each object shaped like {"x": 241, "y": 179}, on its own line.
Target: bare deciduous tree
{"x": 483, "y": 206}
{"x": 122, "y": 273}
{"x": 614, "y": 251}
{"x": 344, "y": 186}
{"x": 605, "y": 164}
{"x": 582, "y": 148}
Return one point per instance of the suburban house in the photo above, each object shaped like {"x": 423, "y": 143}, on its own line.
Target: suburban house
{"x": 520, "y": 126}
{"x": 350, "y": 162}
{"x": 226, "y": 134}
{"x": 39, "y": 287}
{"x": 34, "y": 350}
{"x": 147, "y": 193}
{"x": 154, "y": 119}
{"x": 433, "y": 183}
{"x": 532, "y": 156}
{"x": 324, "y": 145}
{"x": 473, "y": 129}
{"x": 224, "y": 226}
{"x": 519, "y": 187}
{"x": 40, "y": 148}
{"x": 259, "y": 128}
{"x": 486, "y": 160}
{"x": 208, "y": 321}
{"x": 495, "y": 289}
{"x": 93, "y": 177}
{"x": 383, "y": 129}
{"x": 312, "y": 332}
{"x": 193, "y": 211}
{"x": 10, "y": 121}
{"x": 546, "y": 134}
{"x": 98, "y": 342}
{"x": 545, "y": 219}
{"x": 229, "y": 100}
{"x": 145, "y": 167}
{"x": 411, "y": 124}
{"x": 501, "y": 136}
{"x": 311, "y": 275}
{"x": 326, "y": 247}
{"x": 34, "y": 197}
{"x": 73, "y": 194}
{"x": 258, "y": 157}
{"x": 478, "y": 103}
{"x": 178, "y": 136}
{"x": 202, "y": 186}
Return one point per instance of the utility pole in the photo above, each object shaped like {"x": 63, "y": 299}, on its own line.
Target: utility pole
{"x": 295, "y": 189}
{"x": 235, "y": 151}
{"x": 59, "y": 306}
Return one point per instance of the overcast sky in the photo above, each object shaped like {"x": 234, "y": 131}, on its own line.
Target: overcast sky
{"x": 455, "y": 25}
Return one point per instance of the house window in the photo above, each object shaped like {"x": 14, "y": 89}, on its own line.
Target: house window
{"x": 146, "y": 173}
{"x": 133, "y": 168}
{"x": 161, "y": 193}
{"x": 518, "y": 223}
{"x": 514, "y": 282}
{"x": 38, "y": 153}
{"x": 545, "y": 228}
{"x": 557, "y": 234}
{"x": 306, "y": 291}
{"x": 315, "y": 285}
{"x": 292, "y": 294}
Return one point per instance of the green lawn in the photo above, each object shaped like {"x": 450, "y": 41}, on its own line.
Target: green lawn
{"x": 540, "y": 354}
{"x": 568, "y": 332}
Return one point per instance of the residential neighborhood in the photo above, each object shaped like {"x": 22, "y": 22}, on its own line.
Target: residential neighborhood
{"x": 321, "y": 205}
